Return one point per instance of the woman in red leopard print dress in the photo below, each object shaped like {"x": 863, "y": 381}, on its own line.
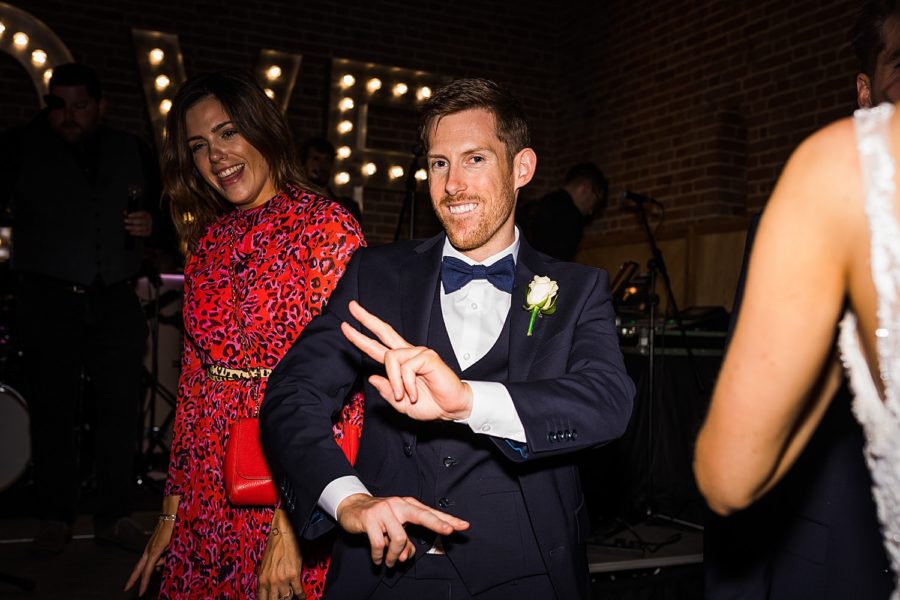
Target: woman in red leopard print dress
{"x": 264, "y": 255}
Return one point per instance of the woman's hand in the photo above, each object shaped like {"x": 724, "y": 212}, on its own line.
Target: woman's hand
{"x": 279, "y": 574}
{"x": 152, "y": 558}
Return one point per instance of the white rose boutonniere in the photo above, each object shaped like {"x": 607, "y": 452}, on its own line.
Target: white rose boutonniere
{"x": 540, "y": 299}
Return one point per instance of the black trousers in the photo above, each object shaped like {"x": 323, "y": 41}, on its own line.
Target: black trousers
{"x": 434, "y": 577}
{"x": 64, "y": 329}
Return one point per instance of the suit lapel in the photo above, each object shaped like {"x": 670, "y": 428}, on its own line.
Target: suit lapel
{"x": 522, "y": 348}
{"x": 418, "y": 283}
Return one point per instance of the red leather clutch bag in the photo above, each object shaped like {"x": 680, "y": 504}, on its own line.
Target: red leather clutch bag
{"x": 248, "y": 480}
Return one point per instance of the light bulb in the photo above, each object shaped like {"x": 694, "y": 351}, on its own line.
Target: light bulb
{"x": 346, "y": 104}
{"x": 273, "y": 72}
{"x": 270, "y": 93}
{"x": 165, "y": 106}
{"x": 345, "y": 127}
{"x": 348, "y": 81}
{"x": 47, "y": 75}
{"x": 162, "y": 82}
{"x": 38, "y": 58}
{"x": 423, "y": 93}
{"x": 421, "y": 175}
{"x": 156, "y": 56}
{"x": 399, "y": 89}
{"x": 369, "y": 168}
{"x": 343, "y": 152}
{"x": 373, "y": 85}
{"x": 342, "y": 178}
{"x": 20, "y": 40}
{"x": 395, "y": 171}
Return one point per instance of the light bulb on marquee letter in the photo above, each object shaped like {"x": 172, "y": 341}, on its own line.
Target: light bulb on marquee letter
{"x": 345, "y": 127}
{"x": 162, "y": 82}
{"x": 156, "y": 56}
{"x": 20, "y": 40}
{"x": 396, "y": 171}
{"x": 38, "y": 58}
{"x": 343, "y": 152}
{"x": 369, "y": 168}
{"x": 342, "y": 178}
{"x": 421, "y": 175}
{"x": 400, "y": 89}
{"x": 273, "y": 72}
{"x": 348, "y": 81}
{"x": 346, "y": 104}
{"x": 373, "y": 85}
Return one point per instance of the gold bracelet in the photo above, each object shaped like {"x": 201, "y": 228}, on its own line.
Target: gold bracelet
{"x": 166, "y": 516}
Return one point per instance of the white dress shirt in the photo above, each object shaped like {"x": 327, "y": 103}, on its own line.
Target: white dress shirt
{"x": 474, "y": 316}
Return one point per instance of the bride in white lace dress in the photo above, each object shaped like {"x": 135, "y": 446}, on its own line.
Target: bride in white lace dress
{"x": 827, "y": 250}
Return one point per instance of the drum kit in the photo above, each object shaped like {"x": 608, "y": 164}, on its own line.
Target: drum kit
{"x": 158, "y": 399}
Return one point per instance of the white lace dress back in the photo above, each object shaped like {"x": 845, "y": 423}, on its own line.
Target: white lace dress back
{"x": 880, "y": 417}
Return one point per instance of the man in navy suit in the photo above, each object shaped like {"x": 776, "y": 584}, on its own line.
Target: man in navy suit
{"x": 464, "y": 486}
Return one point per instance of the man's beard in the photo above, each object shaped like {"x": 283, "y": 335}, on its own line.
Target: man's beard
{"x": 495, "y": 214}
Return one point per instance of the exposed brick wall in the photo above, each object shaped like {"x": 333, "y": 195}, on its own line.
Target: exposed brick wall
{"x": 699, "y": 104}
{"x": 695, "y": 103}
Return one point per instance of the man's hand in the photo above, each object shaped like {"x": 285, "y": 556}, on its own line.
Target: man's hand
{"x": 419, "y": 384}
{"x": 139, "y": 223}
{"x": 382, "y": 520}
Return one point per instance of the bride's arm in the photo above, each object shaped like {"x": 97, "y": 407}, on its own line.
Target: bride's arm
{"x": 773, "y": 387}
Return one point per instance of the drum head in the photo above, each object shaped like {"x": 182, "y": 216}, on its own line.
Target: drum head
{"x": 15, "y": 436}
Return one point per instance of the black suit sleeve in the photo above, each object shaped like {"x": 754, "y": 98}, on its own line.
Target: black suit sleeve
{"x": 303, "y": 394}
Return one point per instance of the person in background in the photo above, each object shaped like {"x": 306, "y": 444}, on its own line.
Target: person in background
{"x": 264, "y": 255}
{"x": 82, "y": 196}
{"x": 555, "y": 223}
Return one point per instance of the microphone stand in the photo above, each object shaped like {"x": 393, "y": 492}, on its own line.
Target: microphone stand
{"x": 409, "y": 199}
{"x": 657, "y": 264}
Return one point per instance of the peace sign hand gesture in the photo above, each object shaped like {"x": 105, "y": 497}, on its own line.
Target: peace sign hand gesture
{"x": 418, "y": 383}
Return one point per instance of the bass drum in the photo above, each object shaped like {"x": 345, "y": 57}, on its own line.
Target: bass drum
{"x": 15, "y": 436}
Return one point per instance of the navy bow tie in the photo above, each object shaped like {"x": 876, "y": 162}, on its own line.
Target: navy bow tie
{"x": 456, "y": 273}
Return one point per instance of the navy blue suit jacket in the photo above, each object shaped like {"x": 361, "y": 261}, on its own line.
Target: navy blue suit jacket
{"x": 567, "y": 381}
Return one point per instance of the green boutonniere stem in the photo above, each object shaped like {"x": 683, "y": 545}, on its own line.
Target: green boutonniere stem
{"x": 534, "y": 315}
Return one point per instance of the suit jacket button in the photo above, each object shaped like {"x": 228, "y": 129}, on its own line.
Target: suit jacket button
{"x": 445, "y": 502}
{"x": 449, "y": 461}
{"x": 407, "y": 449}
{"x": 551, "y": 436}
{"x": 574, "y": 434}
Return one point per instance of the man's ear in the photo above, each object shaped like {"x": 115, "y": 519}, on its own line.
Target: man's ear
{"x": 863, "y": 91}
{"x": 524, "y": 166}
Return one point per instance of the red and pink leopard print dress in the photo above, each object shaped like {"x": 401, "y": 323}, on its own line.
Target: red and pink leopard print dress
{"x": 256, "y": 279}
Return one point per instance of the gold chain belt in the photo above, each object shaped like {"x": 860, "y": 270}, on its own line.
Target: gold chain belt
{"x": 218, "y": 373}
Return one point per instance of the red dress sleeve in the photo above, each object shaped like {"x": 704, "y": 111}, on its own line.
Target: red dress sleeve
{"x": 189, "y": 382}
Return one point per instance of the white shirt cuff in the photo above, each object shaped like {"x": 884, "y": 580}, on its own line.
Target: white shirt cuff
{"x": 493, "y": 412}
{"x": 338, "y": 490}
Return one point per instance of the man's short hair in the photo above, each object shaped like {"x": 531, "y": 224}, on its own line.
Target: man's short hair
{"x": 77, "y": 74}
{"x": 589, "y": 172}
{"x": 867, "y": 36}
{"x": 466, "y": 94}
{"x": 319, "y": 144}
